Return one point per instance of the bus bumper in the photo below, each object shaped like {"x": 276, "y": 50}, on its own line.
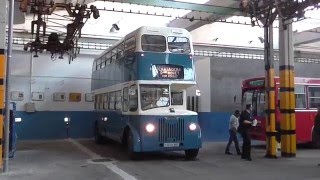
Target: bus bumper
{"x": 152, "y": 143}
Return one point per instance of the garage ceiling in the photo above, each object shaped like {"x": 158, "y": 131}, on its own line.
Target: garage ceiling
{"x": 201, "y": 17}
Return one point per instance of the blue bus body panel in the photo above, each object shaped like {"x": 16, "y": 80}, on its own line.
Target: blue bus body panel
{"x": 140, "y": 68}
{"x": 148, "y": 59}
{"x": 168, "y": 130}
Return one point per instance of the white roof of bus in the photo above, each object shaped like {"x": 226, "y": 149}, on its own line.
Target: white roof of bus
{"x": 165, "y": 31}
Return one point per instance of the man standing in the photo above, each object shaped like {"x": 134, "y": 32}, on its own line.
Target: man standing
{"x": 233, "y": 128}
{"x": 245, "y": 122}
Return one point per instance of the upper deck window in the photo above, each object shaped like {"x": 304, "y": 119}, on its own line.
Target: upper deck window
{"x": 130, "y": 46}
{"x": 179, "y": 44}
{"x": 154, "y": 43}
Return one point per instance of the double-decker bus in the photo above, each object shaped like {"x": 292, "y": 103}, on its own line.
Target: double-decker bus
{"x": 140, "y": 92}
{"x": 307, "y": 95}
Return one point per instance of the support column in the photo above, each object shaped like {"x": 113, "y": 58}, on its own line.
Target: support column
{"x": 2, "y": 74}
{"x": 287, "y": 98}
{"x": 270, "y": 93}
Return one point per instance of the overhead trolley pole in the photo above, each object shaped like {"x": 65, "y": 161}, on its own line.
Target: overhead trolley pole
{"x": 287, "y": 97}
{"x": 2, "y": 75}
{"x": 271, "y": 144}
{"x": 7, "y": 86}
{"x": 270, "y": 93}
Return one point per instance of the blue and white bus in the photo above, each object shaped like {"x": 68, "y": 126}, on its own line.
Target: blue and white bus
{"x": 140, "y": 92}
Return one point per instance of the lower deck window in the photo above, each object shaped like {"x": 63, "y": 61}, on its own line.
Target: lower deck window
{"x": 177, "y": 98}
{"x": 154, "y": 96}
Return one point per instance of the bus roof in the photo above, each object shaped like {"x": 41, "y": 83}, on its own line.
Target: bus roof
{"x": 165, "y": 31}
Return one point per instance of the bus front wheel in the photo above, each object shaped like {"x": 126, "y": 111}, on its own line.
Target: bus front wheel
{"x": 315, "y": 140}
{"x": 130, "y": 144}
{"x": 191, "y": 154}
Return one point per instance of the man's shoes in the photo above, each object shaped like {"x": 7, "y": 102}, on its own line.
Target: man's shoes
{"x": 246, "y": 158}
{"x": 229, "y": 153}
{"x": 239, "y": 153}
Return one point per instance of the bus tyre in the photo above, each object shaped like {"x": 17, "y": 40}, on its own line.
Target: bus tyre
{"x": 191, "y": 154}
{"x": 97, "y": 137}
{"x": 315, "y": 140}
{"x": 131, "y": 154}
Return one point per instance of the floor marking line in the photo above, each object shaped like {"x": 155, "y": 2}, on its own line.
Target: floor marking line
{"x": 110, "y": 165}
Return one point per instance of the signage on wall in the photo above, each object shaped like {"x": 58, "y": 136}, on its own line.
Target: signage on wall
{"x": 17, "y": 96}
{"x": 37, "y": 96}
{"x": 167, "y": 71}
{"x": 59, "y": 96}
{"x": 74, "y": 97}
{"x": 89, "y": 97}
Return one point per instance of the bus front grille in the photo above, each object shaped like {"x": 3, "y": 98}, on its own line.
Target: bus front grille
{"x": 171, "y": 130}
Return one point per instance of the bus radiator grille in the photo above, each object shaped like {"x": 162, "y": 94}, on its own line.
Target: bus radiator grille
{"x": 171, "y": 130}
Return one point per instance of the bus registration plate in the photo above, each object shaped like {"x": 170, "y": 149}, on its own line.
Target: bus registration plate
{"x": 171, "y": 144}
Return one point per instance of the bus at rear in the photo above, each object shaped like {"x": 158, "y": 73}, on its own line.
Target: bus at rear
{"x": 307, "y": 99}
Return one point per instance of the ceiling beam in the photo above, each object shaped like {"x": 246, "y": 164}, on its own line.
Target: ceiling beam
{"x": 192, "y": 25}
{"x": 182, "y": 5}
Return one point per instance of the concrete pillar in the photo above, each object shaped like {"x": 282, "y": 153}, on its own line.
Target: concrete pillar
{"x": 270, "y": 93}
{"x": 2, "y": 72}
{"x": 287, "y": 97}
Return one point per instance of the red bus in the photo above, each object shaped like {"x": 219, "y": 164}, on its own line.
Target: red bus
{"x": 307, "y": 94}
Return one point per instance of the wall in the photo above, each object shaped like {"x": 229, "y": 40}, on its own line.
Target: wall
{"x": 202, "y": 66}
{"x": 29, "y": 74}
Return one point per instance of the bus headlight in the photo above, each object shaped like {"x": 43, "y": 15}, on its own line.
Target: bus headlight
{"x": 150, "y": 128}
{"x": 192, "y": 126}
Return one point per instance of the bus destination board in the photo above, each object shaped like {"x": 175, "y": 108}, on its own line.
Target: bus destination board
{"x": 167, "y": 71}
{"x": 256, "y": 82}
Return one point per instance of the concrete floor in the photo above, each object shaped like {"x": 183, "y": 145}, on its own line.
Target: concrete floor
{"x": 84, "y": 160}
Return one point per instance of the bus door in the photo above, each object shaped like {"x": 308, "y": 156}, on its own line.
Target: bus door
{"x": 257, "y": 99}
{"x": 254, "y": 103}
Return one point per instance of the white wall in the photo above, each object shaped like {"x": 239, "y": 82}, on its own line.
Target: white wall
{"x": 29, "y": 74}
{"x": 202, "y": 65}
